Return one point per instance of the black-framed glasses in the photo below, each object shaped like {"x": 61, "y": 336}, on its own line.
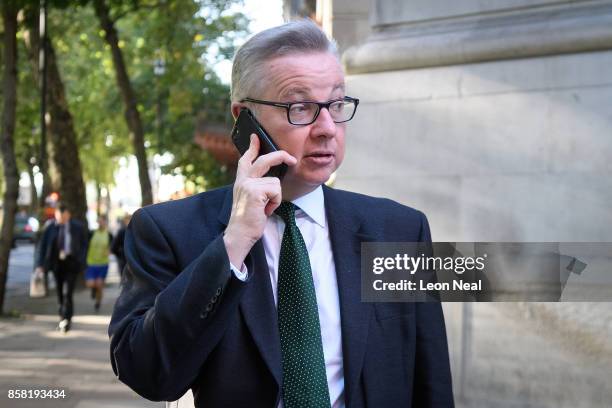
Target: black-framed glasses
{"x": 306, "y": 112}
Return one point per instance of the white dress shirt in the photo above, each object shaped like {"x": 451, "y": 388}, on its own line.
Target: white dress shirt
{"x": 312, "y": 223}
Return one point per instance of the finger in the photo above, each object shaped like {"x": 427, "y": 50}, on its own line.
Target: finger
{"x": 251, "y": 154}
{"x": 261, "y": 187}
{"x": 266, "y": 161}
{"x": 268, "y": 189}
{"x": 245, "y": 162}
{"x": 274, "y": 201}
{"x": 263, "y": 182}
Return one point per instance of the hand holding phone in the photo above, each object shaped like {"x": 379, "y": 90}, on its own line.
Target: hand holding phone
{"x": 255, "y": 196}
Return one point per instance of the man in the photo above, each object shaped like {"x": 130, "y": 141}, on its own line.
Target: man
{"x": 248, "y": 307}
{"x": 118, "y": 241}
{"x": 63, "y": 249}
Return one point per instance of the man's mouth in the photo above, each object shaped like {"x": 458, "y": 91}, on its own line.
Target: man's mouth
{"x": 320, "y": 158}
{"x": 320, "y": 154}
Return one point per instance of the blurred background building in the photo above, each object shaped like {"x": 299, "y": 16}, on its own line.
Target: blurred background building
{"x": 495, "y": 119}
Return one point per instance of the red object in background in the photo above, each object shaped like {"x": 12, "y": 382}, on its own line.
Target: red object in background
{"x": 49, "y": 213}
{"x": 50, "y": 205}
{"x": 216, "y": 140}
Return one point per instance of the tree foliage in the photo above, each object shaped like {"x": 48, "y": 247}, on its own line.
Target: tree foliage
{"x": 167, "y": 45}
{"x": 179, "y": 36}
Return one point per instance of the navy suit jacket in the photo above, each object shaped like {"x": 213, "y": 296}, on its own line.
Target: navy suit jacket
{"x": 183, "y": 320}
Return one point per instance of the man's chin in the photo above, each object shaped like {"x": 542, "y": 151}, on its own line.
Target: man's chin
{"x": 315, "y": 180}
{"x": 305, "y": 183}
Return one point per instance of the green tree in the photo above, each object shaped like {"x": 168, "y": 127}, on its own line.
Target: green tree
{"x": 95, "y": 101}
{"x": 63, "y": 139}
{"x": 9, "y": 164}
{"x": 176, "y": 35}
{"x": 132, "y": 115}
{"x": 27, "y": 129}
{"x": 166, "y": 47}
{"x": 184, "y": 37}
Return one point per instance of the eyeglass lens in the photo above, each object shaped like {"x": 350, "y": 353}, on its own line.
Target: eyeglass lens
{"x": 305, "y": 112}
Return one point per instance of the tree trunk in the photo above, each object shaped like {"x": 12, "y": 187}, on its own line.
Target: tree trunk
{"x": 108, "y": 201}
{"x": 62, "y": 136}
{"x": 9, "y": 95}
{"x": 47, "y": 188}
{"x": 98, "y": 199}
{"x": 132, "y": 116}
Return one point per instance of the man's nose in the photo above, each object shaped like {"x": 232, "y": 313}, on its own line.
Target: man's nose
{"x": 324, "y": 125}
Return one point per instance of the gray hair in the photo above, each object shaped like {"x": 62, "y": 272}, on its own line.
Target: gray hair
{"x": 301, "y": 36}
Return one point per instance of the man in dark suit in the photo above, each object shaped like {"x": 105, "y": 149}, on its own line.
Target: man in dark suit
{"x": 63, "y": 250}
{"x": 250, "y": 294}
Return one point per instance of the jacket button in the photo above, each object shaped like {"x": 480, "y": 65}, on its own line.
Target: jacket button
{"x": 208, "y": 307}
{"x": 218, "y": 292}
{"x": 204, "y": 315}
{"x": 214, "y": 299}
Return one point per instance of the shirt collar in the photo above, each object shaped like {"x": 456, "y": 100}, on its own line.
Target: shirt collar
{"x": 313, "y": 205}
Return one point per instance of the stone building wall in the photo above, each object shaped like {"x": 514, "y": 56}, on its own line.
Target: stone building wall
{"x": 495, "y": 119}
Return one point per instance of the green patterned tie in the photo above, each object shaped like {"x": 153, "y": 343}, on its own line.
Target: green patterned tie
{"x": 304, "y": 380}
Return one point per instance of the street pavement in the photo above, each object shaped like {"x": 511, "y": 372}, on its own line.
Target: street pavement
{"x": 35, "y": 356}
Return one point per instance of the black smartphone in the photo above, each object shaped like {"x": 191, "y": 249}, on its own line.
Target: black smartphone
{"x": 245, "y": 125}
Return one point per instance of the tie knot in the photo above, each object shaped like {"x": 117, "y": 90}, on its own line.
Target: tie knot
{"x": 286, "y": 211}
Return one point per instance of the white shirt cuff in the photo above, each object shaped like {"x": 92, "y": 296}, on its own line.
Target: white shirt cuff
{"x": 242, "y": 273}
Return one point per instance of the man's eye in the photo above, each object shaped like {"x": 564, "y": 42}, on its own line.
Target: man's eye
{"x": 337, "y": 107}
{"x": 301, "y": 108}
{"x": 298, "y": 108}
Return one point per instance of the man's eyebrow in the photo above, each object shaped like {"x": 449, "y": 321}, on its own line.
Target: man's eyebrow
{"x": 304, "y": 93}
{"x": 292, "y": 92}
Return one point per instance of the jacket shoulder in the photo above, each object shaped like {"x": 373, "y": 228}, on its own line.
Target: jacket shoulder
{"x": 381, "y": 218}
{"x": 207, "y": 200}
{"x": 371, "y": 206}
{"x": 182, "y": 219}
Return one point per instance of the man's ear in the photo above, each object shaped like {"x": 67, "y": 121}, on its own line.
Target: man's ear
{"x": 235, "y": 107}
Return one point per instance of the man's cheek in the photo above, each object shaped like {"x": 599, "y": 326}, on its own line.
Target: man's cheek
{"x": 339, "y": 155}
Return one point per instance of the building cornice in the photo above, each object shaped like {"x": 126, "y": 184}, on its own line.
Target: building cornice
{"x": 504, "y": 34}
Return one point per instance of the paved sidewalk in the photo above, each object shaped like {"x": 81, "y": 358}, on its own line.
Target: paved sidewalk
{"x": 35, "y": 356}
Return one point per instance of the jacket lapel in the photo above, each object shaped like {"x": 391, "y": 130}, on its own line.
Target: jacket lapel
{"x": 346, "y": 238}
{"x": 259, "y": 311}
{"x": 257, "y": 303}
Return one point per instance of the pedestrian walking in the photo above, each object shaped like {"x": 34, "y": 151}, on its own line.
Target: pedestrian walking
{"x": 62, "y": 250}
{"x": 97, "y": 261}
{"x": 117, "y": 245}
